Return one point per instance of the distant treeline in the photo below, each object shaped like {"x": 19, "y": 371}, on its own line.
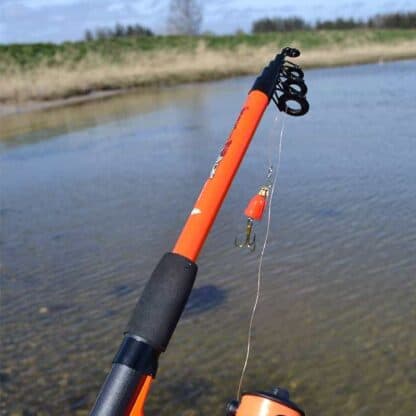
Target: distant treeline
{"x": 380, "y": 21}
{"x": 119, "y": 31}
{"x": 277, "y": 24}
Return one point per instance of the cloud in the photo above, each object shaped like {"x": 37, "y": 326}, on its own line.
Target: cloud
{"x": 115, "y": 7}
{"x": 12, "y": 11}
{"x": 24, "y": 23}
{"x": 41, "y": 20}
{"x": 38, "y": 4}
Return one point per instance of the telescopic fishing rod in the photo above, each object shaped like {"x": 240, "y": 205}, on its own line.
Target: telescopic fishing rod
{"x": 164, "y": 297}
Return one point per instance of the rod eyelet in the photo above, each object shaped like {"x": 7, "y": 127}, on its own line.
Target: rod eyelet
{"x": 301, "y": 101}
{"x": 289, "y": 87}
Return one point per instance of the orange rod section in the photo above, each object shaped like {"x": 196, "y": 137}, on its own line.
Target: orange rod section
{"x": 138, "y": 406}
{"x": 209, "y": 202}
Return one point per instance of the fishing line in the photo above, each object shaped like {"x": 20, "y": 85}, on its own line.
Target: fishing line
{"x": 272, "y": 177}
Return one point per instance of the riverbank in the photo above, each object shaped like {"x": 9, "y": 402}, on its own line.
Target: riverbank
{"x": 43, "y": 76}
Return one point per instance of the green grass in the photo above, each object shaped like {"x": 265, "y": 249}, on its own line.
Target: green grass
{"x": 47, "y": 71}
{"x": 25, "y": 57}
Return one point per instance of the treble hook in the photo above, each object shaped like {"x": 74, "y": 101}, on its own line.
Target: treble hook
{"x": 249, "y": 241}
{"x": 253, "y": 212}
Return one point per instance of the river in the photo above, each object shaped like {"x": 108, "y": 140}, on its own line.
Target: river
{"x": 93, "y": 195}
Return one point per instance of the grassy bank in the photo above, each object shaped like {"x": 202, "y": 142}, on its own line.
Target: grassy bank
{"x": 47, "y": 71}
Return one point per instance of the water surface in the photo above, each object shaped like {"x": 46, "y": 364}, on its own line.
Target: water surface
{"x": 92, "y": 196}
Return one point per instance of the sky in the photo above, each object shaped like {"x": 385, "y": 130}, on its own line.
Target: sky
{"x": 59, "y": 20}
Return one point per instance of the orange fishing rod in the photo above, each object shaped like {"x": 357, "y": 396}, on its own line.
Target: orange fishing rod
{"x": 160, "y": 306}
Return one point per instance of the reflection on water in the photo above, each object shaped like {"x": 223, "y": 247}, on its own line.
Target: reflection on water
{"x": 91, "y": 201}
{"x": 31, "y": 127}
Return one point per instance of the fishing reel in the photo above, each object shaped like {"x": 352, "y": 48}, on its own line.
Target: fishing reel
{"x": 290, "y": 90}
{"x": 264, "y": 403}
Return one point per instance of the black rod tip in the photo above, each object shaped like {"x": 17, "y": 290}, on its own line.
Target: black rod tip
{"x": 291, "y": 52}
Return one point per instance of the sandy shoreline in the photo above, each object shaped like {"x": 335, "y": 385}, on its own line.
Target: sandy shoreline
{"x": 208, "y": 70}
{"x": 32, "y": 106}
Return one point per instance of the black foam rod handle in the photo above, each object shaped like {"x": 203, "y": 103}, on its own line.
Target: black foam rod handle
{"x": 163, "y": 299}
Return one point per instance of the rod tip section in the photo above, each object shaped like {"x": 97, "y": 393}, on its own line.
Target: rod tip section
{"x": 291, "y": 52}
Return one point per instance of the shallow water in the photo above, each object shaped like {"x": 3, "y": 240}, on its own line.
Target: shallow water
{"x": 92, "y": 196}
